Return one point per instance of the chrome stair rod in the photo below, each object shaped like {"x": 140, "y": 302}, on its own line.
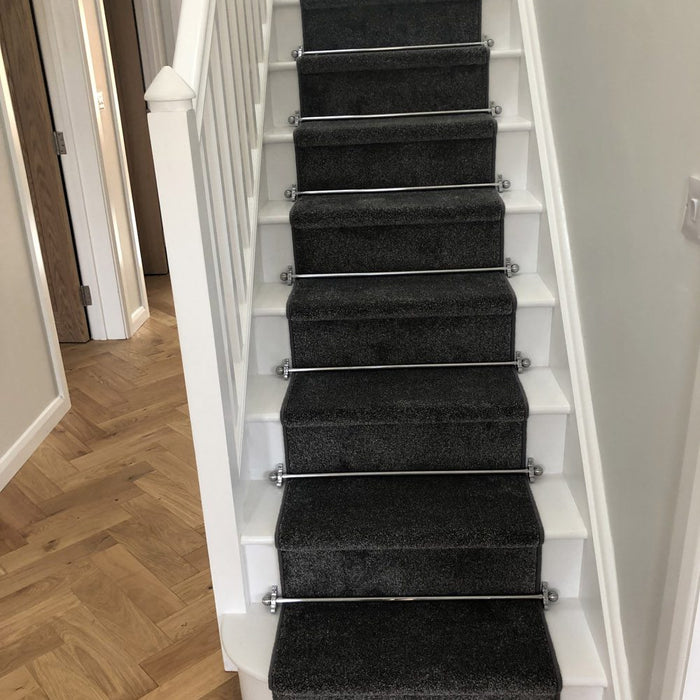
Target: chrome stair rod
{"x": 533, "y": 471}
{"x": 285, "y": 369}
{"x": 289, "y": 276}
{"x": 296, "y": 119}
{"x": 547, "y": 595}
{"x": 487, "y": 42}
{"x": 293, "y": 193}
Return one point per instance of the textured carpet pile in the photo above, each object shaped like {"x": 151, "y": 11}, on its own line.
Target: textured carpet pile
{"x": 430, "y": 535}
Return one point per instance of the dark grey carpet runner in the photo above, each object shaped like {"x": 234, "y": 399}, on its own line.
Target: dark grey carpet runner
{"x": 434, "y": 535}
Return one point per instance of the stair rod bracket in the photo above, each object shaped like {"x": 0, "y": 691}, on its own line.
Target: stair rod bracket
{"x": 521, "y": 362}
{"x": 291, "y": 193}
{"x": 548, "y": 596}
{"x": 279, "y": 475}
{"x": 534, "y": 471}
{"x": 501, "y": 184}
{"x": 297, "y": 53}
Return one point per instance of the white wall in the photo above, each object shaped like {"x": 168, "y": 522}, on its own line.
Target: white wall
{"x": 32, "y": 385}
{"x": 624, "y": 91}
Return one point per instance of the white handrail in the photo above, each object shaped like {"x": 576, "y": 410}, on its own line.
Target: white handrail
{"x": 189, "y": 57}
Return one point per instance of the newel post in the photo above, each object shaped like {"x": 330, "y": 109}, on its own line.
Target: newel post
{"x": 176, "y": 154}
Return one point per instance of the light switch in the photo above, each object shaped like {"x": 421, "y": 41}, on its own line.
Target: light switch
{"x": 691, "y": 220}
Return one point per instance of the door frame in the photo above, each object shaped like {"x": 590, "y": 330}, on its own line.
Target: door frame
{"x": 67, "y": 64}
{"x": 37, "y": 431}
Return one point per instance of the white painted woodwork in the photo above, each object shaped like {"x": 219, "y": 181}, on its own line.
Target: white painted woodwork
{"x": 74, "y": 44}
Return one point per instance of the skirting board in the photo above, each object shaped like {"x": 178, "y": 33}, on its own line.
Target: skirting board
{"x": 592, "y": 465}
{"x": 33, "y": 436}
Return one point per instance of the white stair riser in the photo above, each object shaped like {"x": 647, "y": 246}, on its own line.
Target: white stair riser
{"x": 286, "y": 27}
{"x": 521, "y": 232}
{"x": 270, "y": 338}
{"x": 561, "y": 566}
{"x": 254, "y": 689}
{"x": 279, "y": 170}
{"x": 283, "y": 89}
{"x": 265, "y": 446}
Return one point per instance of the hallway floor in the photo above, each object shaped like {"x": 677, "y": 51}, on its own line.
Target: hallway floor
{"x": 105, "y": 589}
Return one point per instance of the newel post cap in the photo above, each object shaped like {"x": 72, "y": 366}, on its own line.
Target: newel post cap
{"x": 169, "y": 92}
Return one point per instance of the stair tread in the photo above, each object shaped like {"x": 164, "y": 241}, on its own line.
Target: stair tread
{"x": 530, "y": 291}
{"x": 398, "y": 208}
{"x": 248, "y": 639}
{"x": 393, "y": 60}
{"x": 413, "y": 512}
{"x": 425, "y": 648}
{"x": 426, "y": 396}
{"x": 506, "y": 124}
{"x": 277, "y": 211}
{"x": 413, "y": 296}
{"x": 544, "y": 395}
{"x": 557, "y": 509}
{"x": 498, "y": 53}
{"x": 400, "y": 130}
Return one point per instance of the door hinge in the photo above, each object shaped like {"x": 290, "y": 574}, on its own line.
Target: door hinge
{"x": 59, "y": 143}
{"x": 85, "y": 295}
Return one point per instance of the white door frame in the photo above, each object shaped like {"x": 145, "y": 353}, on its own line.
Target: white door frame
{"x": 67, "y": 62}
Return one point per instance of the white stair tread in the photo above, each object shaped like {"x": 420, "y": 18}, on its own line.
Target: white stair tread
{"x": 271, "y": 299}
{"x": 276, "y": 211}
{"x": 496, "y": 54}
{"x": 285, "y": 134}
{"x": 248, "y": 639}
{"x": 558, "y": 512}
{"x": 544, "y": 395}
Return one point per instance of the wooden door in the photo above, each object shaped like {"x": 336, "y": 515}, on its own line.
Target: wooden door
{"x": 20, "y": 50}
{"x": 128, "y": 73}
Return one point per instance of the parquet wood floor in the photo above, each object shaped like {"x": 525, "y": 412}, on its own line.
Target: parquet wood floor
{"x": 105, "y": 589}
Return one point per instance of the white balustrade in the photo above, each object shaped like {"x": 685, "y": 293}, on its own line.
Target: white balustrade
{"x": 206, "y": 130}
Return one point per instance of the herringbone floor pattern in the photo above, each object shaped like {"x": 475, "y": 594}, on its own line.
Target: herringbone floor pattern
{"x": 105, "y": 589}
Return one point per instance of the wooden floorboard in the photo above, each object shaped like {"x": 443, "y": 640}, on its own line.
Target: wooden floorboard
{"x": 105, "y": 589}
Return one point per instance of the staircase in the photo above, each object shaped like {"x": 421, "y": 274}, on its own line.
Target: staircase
{"x": 363, "y": 473}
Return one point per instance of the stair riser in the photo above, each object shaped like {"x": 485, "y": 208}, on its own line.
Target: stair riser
{"x": 354, "y": 25}
{"x": 494, "y": 571}
{"x": 402, "y": 341}
{"x": 287, "y": 35}
{"x": 406, "y": 164}
{"x": 275, "y": 252}
{"x": 271, "y": 338}
{"x": 280, "y": 167}
{"x": 561, "y": 566}
{"x": 545, "y": 439}
{"x": 283, "y": 89}
{"x": 445, "y": 87}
